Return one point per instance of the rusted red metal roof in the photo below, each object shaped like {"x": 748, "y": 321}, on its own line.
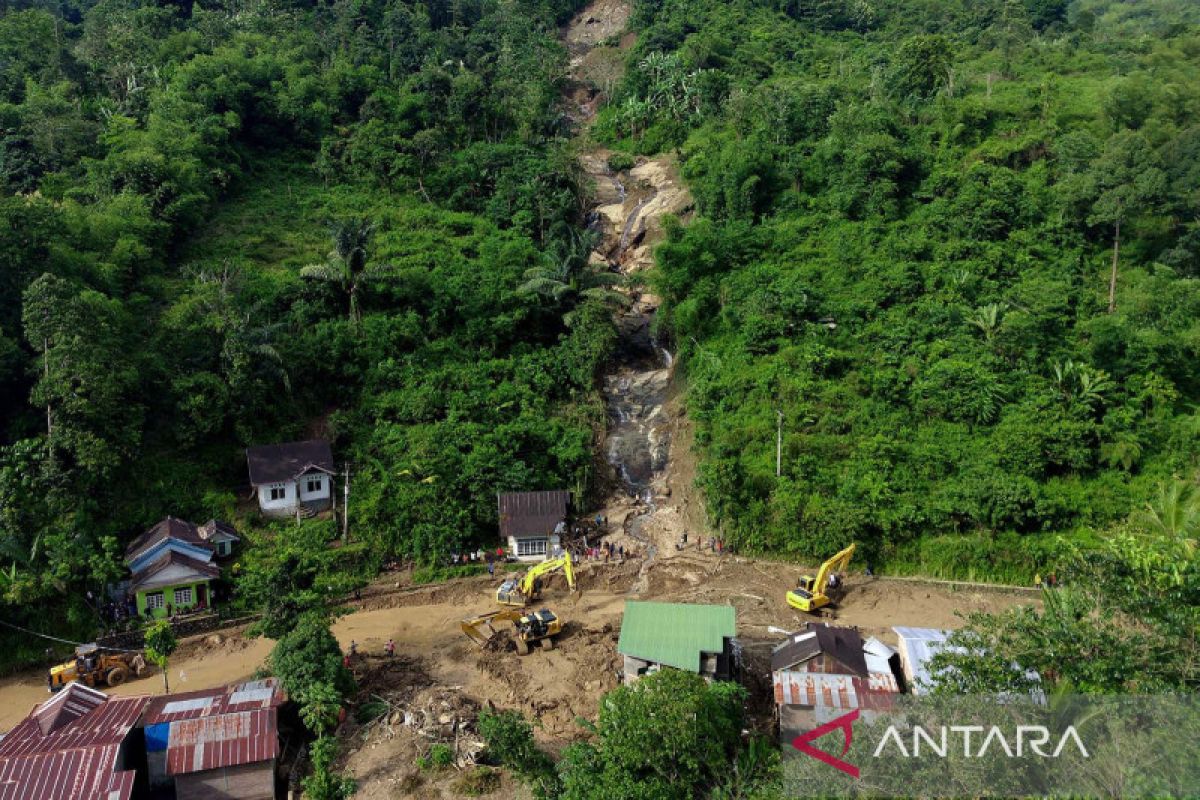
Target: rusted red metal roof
{"x": 216, "y": 728}
{"x": 226, "y": 740}
{"x": 250, "y": 696}
{"x": 75, "y": 717}
{"x": 531, "y": 513}
{"x": 79, "y": 774}
{"x": 67, "y": 748}
{"x": 835, "y": 691}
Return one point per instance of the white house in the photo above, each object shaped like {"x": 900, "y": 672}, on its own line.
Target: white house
{"x": 290, "y": 479}
{"x": 529, "y": 522}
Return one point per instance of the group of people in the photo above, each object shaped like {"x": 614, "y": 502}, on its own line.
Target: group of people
{"x": 605, "y": 552}
{"x": 477, "y": 556}
{"x": 713, "y": 544}
{"x": 1049, "y": 582}
{"x": 351, "y": 653}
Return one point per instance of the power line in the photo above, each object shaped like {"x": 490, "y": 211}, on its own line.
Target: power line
{"x": 64, "y": 641}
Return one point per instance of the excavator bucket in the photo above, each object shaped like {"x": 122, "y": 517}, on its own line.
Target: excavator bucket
{"x": 480, "y": 632}
{"x": 479, "y": 628}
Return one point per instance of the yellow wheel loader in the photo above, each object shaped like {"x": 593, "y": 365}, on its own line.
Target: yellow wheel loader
{"x": 528, "y": 588}
{"x": 528, "y": 627}
{"x": 815, "y": 593}
{"x": 95, "y": 666}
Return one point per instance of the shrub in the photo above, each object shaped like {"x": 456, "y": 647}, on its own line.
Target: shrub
{"x": 478, "y": 781}
{"x": 439, "y": 757}
{"x": 619, "y": 162}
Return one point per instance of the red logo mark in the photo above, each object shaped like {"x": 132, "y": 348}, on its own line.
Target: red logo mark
{"x": 845, "y": 722}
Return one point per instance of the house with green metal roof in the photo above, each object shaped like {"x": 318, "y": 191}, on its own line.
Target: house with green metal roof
{"x": 696, "y": 638}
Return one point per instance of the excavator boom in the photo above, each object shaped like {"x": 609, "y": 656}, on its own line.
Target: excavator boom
{"x": 563, "y": 562}
{"x": 835, "y": 564}
{"x": 526, "y": 589}
{"x": 812, "y": 592}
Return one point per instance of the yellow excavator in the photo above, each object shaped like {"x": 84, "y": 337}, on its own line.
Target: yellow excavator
{"x": 535, "y": 626}
{"x": 814, "y": 593}
{"x": 528, "y": 588}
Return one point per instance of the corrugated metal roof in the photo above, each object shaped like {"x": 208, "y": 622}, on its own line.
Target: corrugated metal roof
{"x": 531, "y": 513}
{"x": 78, "y": 774}
{"x": 73, "y": 702}
{"x": 120, "y": 787}
{"x": 842, "y": 644}
{"x": 248, "y": 696}
{"x": 675, "y": 634}
{"x": 878, "y": 656}
{"x": 818, "y": 690}
{"x": 917, "y": 646}
{"x": 67, "y": 748}
{"x": 76, "y": 720}
{"x": 276, "y": 463}
{"x": 227, "y": 740}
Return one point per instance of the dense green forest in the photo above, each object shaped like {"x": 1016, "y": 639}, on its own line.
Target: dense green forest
{"x": 952, "y": 247}
{"x": 233, "y": 223}
{"x": 227, "y": 224}
{"x": 956, "y": 245}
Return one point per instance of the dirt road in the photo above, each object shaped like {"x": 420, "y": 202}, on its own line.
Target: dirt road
{"x": 201, "y": 663}
{"x": 567, "y": 682}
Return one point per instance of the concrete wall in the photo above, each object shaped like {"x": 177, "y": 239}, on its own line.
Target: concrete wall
{"x": 281, "y": 507}
{"x": 320, "y": 492}
{"x": 294, "y": 493}
{"x": 168, "y": 593}
{"x": 517, "y": 547}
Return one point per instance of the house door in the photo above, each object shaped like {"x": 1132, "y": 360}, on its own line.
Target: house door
{"x": 202, "y": 596}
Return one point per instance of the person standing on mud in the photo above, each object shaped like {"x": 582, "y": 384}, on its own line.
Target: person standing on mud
{"x": 390, "y": 648}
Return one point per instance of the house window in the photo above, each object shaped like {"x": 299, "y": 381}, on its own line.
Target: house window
{"x": 154, "y": 600}
{"x": 314, "y": 485}
{"x": 223, "y": 548}
{"x": 531, "y": 547}
{"x": 183, "y": 597}
{"x": 278, "y": 492}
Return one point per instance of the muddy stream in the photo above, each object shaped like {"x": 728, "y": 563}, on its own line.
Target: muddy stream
{"x": 626, "y": 213}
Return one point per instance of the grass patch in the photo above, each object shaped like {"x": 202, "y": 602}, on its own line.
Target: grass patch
{"x": 478, "y": 781}
{"x": 440, "y": 757}
{"x": 435, "y": 574}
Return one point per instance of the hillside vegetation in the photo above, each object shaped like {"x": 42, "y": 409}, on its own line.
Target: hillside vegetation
{"x": 225, "y": 224}
{"x": 955, "y": 245}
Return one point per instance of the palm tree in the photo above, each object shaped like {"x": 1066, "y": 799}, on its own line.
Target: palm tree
{"x": 1124, "y": 452}
{"x": 1174, "y": 514}
{"x": 347, "y": 267}
{"x": 988, "y": 319}
{"x": 1080, "y": 382}
{"x": 567, "y": 277}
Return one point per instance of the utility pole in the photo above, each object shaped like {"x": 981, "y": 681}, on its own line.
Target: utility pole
{"x": 778, "y": 443}
{"x": 346, "y": 505}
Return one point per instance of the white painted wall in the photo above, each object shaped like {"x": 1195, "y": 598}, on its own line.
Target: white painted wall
{"x": 551, "y": 541}
{"x": 285, "y": 503}
{"x": 294, "y": 493}
{"x": 322, "y": 493}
